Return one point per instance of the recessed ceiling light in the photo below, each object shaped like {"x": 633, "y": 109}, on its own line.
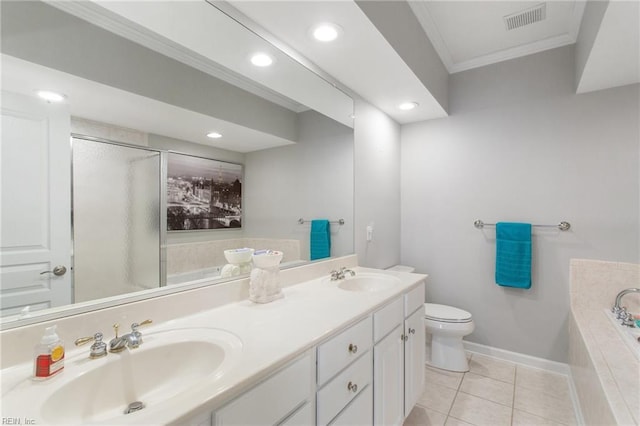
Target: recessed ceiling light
{"x": 326, "y": 32}
{"x": 408, "y": 106}
{"x": 261, "y": 60}
{"x": 50, "y": 96}
{"x": 214, "y": 135}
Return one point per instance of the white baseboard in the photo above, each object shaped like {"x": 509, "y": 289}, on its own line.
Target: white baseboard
{"x": 528, "y": 360}
{"x": 576, "y": 401}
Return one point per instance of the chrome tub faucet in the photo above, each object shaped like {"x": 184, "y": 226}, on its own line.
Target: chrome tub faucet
{"x": 620, "y": 311}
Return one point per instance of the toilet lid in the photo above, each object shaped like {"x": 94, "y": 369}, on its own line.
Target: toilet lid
{"x": 445, "y": 313}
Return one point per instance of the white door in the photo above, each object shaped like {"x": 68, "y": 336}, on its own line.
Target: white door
{"x": 35, "y": 233}
{"x": 413, "y": 359}
{"x": 388, "y": 381}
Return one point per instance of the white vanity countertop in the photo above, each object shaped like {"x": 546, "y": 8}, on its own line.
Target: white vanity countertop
{"x": 272, "y": 334}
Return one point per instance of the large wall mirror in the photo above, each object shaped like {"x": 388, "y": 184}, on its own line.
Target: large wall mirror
{"x": 85, "y": 187}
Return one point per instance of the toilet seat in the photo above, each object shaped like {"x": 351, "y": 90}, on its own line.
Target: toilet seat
{"x": 444, "y": 313}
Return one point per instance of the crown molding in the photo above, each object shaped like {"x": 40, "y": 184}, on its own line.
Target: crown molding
{"x": 121, "y": 26}
{"x": 512, "y": 53}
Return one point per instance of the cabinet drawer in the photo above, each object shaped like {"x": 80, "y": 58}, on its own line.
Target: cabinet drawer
{"x": 270, "y": 401}
{"x": 414, "y": 300}
{"x": 338, "y": 392}
{"x": 338, "y": 352}
{"x": 358, "y": 413}
{"x": 386, "y": 319}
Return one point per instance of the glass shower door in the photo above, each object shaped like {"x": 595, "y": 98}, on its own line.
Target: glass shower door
{"x": 116, "y": 219}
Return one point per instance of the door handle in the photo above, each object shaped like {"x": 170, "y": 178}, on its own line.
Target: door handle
{"x": 57, "y": 271}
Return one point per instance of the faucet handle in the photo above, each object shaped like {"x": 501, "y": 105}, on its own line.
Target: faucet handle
{"x": 98, "y": 349}
{"x": 628, "y": 321}
{"x": 135, "y": 325}
{"x": 622, "y": 313}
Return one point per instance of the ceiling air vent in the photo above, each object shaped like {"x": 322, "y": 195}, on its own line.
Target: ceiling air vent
{"x": 526, "y": 17}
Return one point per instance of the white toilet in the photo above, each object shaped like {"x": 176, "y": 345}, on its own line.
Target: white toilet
{"x": 447, "y": 326}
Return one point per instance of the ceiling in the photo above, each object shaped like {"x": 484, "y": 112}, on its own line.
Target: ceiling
{"x": 465, "y": 35}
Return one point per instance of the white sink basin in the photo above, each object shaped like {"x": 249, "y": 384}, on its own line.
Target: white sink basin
{"x": 368, "y": 282}
{"x": 167, "y": 364}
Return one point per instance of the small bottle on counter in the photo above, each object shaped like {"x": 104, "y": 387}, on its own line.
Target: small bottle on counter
{"x": 49, "y": 355}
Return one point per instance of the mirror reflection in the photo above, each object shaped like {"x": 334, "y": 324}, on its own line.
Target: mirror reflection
{"x": 98, "y": 206}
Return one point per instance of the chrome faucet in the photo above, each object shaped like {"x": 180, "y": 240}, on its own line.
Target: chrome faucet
{"x": 621, "y": 311}
{"x": 130, "y": 340}
{"x": 339, "y": 275}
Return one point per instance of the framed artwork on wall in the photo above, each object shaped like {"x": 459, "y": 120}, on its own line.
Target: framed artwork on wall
{"x": 203, "y": 193}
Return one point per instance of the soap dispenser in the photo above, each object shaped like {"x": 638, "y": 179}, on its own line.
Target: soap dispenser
{"x": 49, "y": 355}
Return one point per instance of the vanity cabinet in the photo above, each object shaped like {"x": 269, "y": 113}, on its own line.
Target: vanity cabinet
{"x": 369, "y": 373}
{"x": 283, "y": 398}
{"x": 398, "y": 357}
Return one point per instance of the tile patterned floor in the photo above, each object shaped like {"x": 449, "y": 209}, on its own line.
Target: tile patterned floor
{"x": 493, "y": 393}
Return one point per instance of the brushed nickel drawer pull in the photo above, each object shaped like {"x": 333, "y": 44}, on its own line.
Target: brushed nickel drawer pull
{"x": 353, "y": 348}
{"x": 352, "y": 387}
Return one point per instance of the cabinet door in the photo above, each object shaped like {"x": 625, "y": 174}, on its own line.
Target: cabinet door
{"x": 302, "y": 417}
{"x": 413, "y": 359}
{"x": 273, "y": 400}
{"x": 388, "y": 382}
{"x": 204, "y": 419}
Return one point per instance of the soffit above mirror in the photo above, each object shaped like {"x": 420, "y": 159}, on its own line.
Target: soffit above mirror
{"x": 197, "y": 33}
{"x": 102, "y": 103}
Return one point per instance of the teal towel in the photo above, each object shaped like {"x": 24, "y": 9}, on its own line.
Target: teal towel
{"x": 320, "y": 240}
{"x": 513, "y": 254}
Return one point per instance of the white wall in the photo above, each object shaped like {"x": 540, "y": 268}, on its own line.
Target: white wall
{"x": 312, "y": 179}
{"x": 519, "y": 146}
{"x": 377, "y": 186}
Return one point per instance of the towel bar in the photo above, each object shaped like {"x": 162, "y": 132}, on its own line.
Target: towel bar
{"x": 339, "y": 221}
{"x": 563, "y": 226}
